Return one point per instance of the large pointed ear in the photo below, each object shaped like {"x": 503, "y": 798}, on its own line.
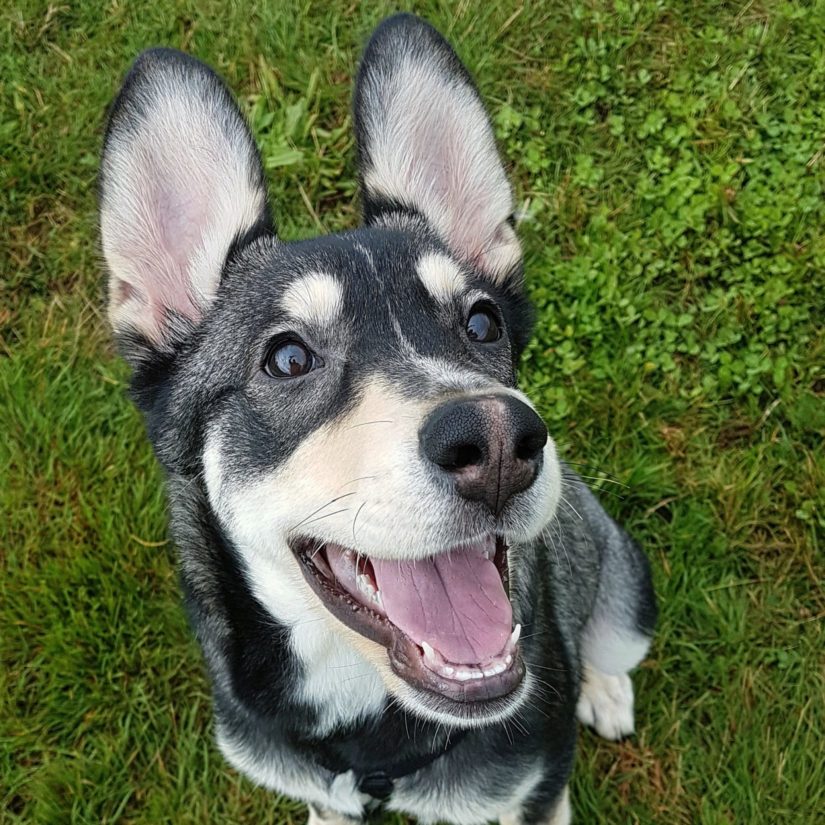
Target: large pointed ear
{"x": 425, "y": 143}
{"x": 181, "y": 185}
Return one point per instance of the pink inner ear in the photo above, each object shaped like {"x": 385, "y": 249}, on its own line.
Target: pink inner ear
{"x": 177, "y": 190}
{"x": 170, "y": 219}
{"x": 432, "y": 146}
{"x": 444, "y": 166}
{"x": 181, "y": 218}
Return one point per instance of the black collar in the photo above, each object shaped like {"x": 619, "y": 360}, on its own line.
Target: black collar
{"x": 379, "y": 783}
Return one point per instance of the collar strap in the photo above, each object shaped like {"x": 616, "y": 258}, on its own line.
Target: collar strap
{"x": 379, "y": 784}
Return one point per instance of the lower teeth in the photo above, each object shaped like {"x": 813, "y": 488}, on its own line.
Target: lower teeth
{"x": 436, "y": 662}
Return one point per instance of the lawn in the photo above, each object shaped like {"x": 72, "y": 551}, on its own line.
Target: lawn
{"x": 670, "y": 161}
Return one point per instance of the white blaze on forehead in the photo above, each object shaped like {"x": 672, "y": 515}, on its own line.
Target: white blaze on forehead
{"x": 441, "y": 276}
{"x": 316, "y": 299}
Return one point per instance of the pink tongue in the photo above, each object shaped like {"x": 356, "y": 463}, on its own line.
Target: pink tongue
{"x": 454, "y": 602}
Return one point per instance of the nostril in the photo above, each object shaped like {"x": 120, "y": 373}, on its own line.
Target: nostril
{"x": 455, "y": 435}
{"x": 529, "y": 446}
{"x": 464, "y": 455}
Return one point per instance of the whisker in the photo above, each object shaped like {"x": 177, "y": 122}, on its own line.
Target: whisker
{"x": 355, "y": 518}
{"x": 608, "y": 480}
{"x": 566, "y": 502}
{"x": 353, "y": 480}
{"x": 322, "y": 507}
{"x": 592, "y": 467}
{"x": 327, "y": 515}
{"x": 367, "y": 423}
{"x": 547, "y": 684}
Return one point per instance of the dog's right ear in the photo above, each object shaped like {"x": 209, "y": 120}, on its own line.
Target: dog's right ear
{"x": 181, "y": 185}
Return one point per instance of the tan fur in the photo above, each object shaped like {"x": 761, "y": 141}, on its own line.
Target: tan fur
{"x": 359, "y": 482}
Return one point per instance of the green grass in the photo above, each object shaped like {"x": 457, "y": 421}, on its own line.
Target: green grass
{"x": 671, "y": 156}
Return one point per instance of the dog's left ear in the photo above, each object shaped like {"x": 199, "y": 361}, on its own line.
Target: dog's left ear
{"x": 425, "y": 143}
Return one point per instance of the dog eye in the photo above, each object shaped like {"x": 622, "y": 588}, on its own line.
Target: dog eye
{"x": 482, "y": 325}
{"x": 289, "y": 359}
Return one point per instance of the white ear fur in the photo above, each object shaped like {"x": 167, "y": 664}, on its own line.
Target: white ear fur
{"x": 425, "y": 142}
{"x": 181, "y": 180}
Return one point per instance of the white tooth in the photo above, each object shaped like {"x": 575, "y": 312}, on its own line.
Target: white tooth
{"x": 365, "y": 586}
{"x": 514, "y": 637}
{"x": 447, "y": 671}
{"x": 429, "y": 653}
{"x": 463, "y": 675}
{"x": 494, "y": 669}
{"x": 508, "y": 660}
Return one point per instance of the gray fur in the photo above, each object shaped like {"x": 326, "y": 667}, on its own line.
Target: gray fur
{"x": 254, "y": 460}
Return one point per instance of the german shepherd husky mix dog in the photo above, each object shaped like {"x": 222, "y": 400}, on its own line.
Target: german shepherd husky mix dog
{"x": 403, "y": 596}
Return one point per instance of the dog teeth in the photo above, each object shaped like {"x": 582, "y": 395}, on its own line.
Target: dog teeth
{"x": 461, "y": 673}
{"x": 429, "y": 654}
{"x": 514, "y": 637}
{"x": 366, "y": 587}
{"x": 495, "y": 669}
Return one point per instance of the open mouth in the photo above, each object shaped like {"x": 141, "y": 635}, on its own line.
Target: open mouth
{"x": 446, "y": 621}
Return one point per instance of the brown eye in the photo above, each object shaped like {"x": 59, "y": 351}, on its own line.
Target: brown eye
{"x": 289, "y": 359}
{"x": 482, "y": 325}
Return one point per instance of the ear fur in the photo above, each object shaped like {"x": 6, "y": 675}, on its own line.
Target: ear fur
{"x": 181, "y": 184}
{"x": 425, "y": 144}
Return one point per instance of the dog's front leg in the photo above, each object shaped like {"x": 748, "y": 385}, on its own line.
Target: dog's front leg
{"x": 561, "y": 814}
{"x": 320, "y": 816}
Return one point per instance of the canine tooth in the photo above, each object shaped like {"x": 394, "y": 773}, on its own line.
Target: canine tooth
{"x": 429, "y": 653}
{"x": 508, "y": 660}
{"x": 514, "y": 636}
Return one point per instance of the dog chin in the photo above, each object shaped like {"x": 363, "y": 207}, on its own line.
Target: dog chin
{"x": 466, "y": 715}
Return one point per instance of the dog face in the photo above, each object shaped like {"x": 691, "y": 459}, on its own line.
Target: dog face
{"x": 348, "y": 401}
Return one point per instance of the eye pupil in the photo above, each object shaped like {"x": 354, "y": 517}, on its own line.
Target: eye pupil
{"x": 289, "y": 359}
{"x": 482, "y": 326}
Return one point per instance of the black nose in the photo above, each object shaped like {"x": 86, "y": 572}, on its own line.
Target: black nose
{"x": 491, "y": 445}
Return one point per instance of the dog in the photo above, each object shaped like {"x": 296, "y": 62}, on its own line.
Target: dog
{"x": 404, "y": 598}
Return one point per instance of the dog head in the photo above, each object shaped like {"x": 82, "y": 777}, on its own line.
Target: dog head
{"x": 349, "y": 401}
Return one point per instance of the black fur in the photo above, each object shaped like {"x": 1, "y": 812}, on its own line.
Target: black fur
{"x": 206, "y": 376}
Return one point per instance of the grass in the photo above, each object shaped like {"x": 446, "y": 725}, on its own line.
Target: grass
{"x": 671, "y": 160}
